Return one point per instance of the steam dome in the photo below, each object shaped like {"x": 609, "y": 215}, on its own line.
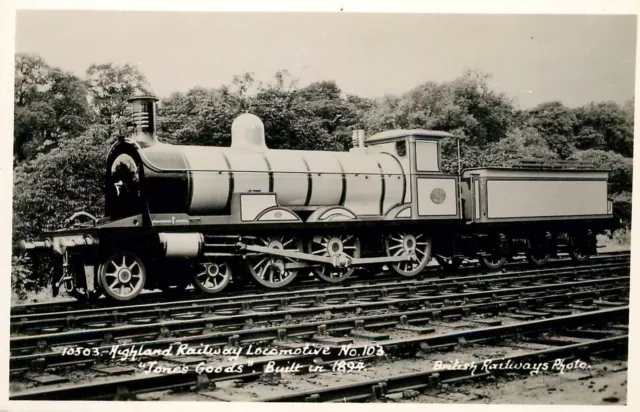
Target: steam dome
{"x": 247, "y": 132}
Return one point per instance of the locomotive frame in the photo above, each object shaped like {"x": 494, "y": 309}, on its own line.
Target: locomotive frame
{"x": 143, "y": 243}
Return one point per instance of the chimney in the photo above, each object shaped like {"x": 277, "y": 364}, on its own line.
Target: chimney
{"x": 143, "y": 118}
{"x": 357, "y": 139}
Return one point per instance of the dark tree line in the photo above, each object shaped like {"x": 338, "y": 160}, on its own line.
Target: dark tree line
{"x": 64, "y": 125}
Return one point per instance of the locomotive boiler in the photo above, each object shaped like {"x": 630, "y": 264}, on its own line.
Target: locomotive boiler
{"x": 176, "y": 215}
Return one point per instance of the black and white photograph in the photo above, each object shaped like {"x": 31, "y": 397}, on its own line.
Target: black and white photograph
{"x": 347, "y": 206}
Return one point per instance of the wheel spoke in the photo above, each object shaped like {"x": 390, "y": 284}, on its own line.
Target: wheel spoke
{"x": 264, "y": 270}
{"x": 260, "y": 263}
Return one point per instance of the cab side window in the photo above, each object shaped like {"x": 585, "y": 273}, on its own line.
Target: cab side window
{"x": 427, "y": 156}
{"x": 401, "y": 148}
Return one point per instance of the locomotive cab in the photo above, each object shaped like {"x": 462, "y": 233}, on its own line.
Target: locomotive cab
{"x": 431, "y": 193}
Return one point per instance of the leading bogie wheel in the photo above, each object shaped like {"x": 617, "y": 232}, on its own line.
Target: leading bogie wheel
{"x": 274, "y": 271}
{"x": 211, "y": 277}
{"x": 338, "y": 246}
{"x": 415, "y": 245}
{"x": 122, "y": 275}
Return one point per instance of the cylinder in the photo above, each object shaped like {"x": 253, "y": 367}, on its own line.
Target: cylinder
{"x": 181, "y": 245}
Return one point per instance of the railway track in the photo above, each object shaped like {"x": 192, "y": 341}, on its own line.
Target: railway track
{"x": 199, "y": 321}
{"x": 47, "y": 350}
{"x": 563, "y": 337}
{"x": 94, "y": 318}
{"x": 71, "y": 355}
{"x": 359, "y": 279}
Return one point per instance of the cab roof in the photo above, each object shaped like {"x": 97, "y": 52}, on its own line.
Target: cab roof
{"x": 392, "y": 135}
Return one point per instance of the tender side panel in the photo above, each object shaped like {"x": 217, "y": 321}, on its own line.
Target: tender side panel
{"x": 545, "y": 198}
{"x": 437, "y": 197}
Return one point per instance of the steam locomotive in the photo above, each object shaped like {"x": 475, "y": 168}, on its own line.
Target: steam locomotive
{"x": 179, "y": 215}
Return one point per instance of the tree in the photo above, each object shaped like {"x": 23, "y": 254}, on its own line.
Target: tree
{"x": 519, "y": 144}
{"x": 50, "y": 104}
{"x": 604, "y": 126}
{"x": 465, "y": 107}
{"x": 109, "y": 88}
{"x": 556, "y": 124}
{"x": 316, "y": 117}
{"x": 199, "y": 117}
{"x": 51, "y": 187}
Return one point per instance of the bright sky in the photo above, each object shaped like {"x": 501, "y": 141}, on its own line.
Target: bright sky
{"x": 533, "y": 58}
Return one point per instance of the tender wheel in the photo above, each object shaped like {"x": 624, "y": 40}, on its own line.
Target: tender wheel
{"x": 537, "y": 252}
{"x": 122, "y": 275}
{"x": 449, "y": 263}
{"x": 493, "y": 262}
{"x": 212, "y": 277}
{"x": 577, "y": 251}
{"x": 344, "y": 246}
{"x": 417, "y": 245}
{"x": 274, "y": 271}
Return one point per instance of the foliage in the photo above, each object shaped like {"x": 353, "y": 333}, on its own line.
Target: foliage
{"x": 604, "y": 126}
{"x": 109, "y": 88}
{"x": 50, "y": 104}
{"x": 518, "y": 145}
{"x": 316, "y": 117}
{"x": 465, "y": 107}
{"x": 556, "y": 124}
{"x": 51, "y": 187}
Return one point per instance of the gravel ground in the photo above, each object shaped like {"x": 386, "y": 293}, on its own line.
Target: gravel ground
{"x": 604, "y": 382}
